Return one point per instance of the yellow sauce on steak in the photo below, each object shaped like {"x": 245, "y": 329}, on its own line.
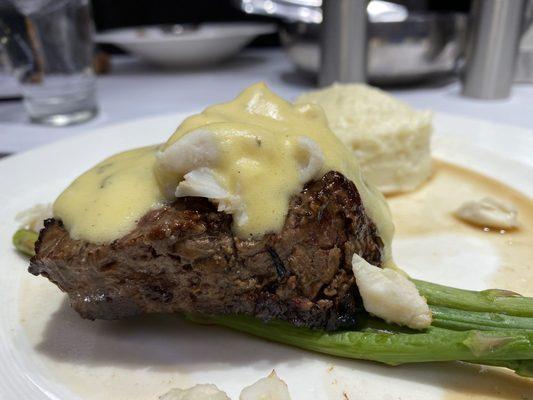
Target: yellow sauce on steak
{"x": 258, "y": 148}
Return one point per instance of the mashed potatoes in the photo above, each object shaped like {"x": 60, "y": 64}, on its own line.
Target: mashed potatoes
{"x": 389, "y": 138}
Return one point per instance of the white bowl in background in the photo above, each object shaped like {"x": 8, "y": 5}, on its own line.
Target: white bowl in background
{"x": 183, "y": 46}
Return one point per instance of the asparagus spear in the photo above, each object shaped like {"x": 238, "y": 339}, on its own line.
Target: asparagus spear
{"x": 461, "y": 320}
{"x": 391, "y": 348}
{"x": 520, "y": 367}
{"x": 24, "y": 241}
{"x": 492, "y": 300}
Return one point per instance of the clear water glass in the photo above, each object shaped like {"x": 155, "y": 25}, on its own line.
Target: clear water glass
{"x": 56, "y": 77}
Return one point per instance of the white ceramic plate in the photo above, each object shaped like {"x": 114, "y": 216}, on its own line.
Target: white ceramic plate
{"x": 48, "y": 352}
{"x": 207, "y": 44}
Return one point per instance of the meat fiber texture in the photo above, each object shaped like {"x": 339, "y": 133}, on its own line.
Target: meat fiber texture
{"x": 184, "y": 258}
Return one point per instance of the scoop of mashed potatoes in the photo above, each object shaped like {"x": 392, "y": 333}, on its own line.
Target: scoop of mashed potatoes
{"x": 390, "y": 139}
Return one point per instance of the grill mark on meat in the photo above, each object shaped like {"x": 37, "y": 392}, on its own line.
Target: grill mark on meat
{"x": 183, "y": 257}
{"x": 160, "y": 294}
{"x": 108, "y": 266}
{"x": 154, "y": 253}
{"x": 280, "y": 267}
{"x": 320, "y": 211}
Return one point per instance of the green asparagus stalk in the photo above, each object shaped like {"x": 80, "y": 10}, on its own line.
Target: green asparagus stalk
{"x": 460, "y": 320}
{"x": 520, "y": 367}
{"x": 24, "y": 241}
{"x": 492, "y": 300}
{"x": 391, "y": 348}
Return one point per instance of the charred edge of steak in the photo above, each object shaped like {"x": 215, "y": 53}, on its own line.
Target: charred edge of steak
{"x": 37, "y": 246}
{"x": 184, "y": 258}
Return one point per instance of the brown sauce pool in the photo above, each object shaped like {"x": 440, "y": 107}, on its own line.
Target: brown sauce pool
{"x": 429, "y": 211}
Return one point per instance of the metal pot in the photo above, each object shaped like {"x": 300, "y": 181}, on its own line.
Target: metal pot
{"x": 402, "y": 47}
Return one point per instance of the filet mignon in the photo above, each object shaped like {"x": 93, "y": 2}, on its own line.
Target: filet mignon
{"x": 183, "y": 257}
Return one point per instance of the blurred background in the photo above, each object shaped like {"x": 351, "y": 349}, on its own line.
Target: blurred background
{"x": 83, "y": 63}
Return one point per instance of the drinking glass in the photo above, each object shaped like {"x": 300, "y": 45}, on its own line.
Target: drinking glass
{"x": 52, "y": 58}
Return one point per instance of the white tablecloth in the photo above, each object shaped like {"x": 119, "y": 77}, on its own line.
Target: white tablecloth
{"x": 135, "y": 90}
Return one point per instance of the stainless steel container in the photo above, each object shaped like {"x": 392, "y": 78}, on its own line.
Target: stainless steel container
{"x": 343, "y": 42}
{"x": 419, "y": 48}
{"x": 402, "y": 49}
{"x": 491, "y": 55}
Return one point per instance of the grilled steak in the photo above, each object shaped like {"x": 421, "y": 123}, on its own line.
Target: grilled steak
{"x": 183, "y": 257}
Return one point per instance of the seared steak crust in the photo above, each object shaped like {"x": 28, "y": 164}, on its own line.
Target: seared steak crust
{"x": 184, "y": 258}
